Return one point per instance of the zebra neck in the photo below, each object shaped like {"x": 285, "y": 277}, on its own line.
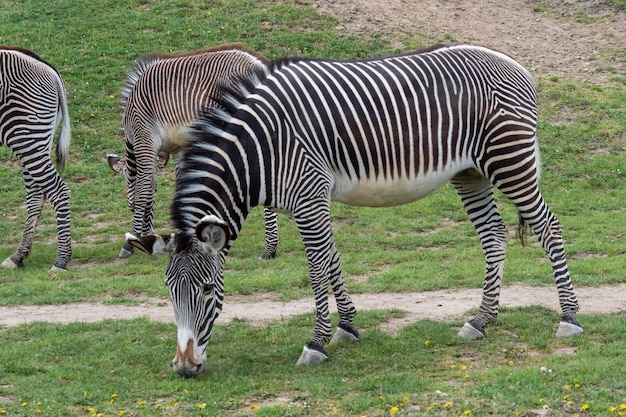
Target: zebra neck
{"x": 230, "y": 183}
{"x": 213, "y": 181}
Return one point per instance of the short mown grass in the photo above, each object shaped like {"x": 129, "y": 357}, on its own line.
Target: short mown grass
{"x": 122, "y": 367}
{"x": 119, "y": 368}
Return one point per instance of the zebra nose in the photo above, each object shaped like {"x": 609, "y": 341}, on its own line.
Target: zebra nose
{"x": 199, "y": 369}
{"x": 188, "y": 369}
{"x": 187, "y": 363}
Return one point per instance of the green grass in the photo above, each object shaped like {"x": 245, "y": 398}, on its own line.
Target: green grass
{"x": 430, "y": 244}
{"x": 117, "y": 366}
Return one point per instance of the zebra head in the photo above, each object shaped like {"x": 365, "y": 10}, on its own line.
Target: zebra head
{"x": 195, "y": 282}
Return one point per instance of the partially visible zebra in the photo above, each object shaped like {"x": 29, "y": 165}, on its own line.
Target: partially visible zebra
{"x": 163, "y": 96}
{"x": 32, "y": 104}
{"x": 373, "y": 132}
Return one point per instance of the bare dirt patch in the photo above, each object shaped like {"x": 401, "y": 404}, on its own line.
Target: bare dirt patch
{"x": 258, "y": 310}
{"x": 583, "y": 40}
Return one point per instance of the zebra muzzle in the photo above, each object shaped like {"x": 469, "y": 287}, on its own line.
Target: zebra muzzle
{"x": 187, "y": 363}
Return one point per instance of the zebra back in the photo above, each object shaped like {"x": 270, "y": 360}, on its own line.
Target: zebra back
{"x": 224, "y": 64}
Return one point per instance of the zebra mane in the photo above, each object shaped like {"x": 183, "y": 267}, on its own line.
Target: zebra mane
{"x": 230, "y": 98}
{"x": 279, "y": 63}
{"x": 209, "y": 128}
{"x": 133, "y": 75}
{"x": 283, "y": 62}
{"x": 219, "y": 48}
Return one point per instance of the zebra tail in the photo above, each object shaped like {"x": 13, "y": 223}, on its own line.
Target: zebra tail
{"x": 522, "y": 229}
{"x": 65, "y": 137}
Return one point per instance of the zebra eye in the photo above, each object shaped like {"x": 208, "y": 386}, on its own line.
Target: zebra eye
{"x": 207, "y": 289}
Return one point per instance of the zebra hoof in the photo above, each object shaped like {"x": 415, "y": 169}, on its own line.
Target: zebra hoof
{"x": 344, "y": 336}
{"x": 9, "y": 264}
{"x": 124, "y": 253}
{"x": 57, "y": 269}
{"x": 567, "y": 330}
{"x": 470, "y": 332}
{"x": 267, "y": 256}
{"x": 311, "y": 356}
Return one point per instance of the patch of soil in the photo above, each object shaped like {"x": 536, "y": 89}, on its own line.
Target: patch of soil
{"x": 258, "y": 310}
{"x": 582, "y": 40}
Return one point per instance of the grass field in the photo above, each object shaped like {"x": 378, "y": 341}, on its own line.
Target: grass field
{"x": 117, "y": 368}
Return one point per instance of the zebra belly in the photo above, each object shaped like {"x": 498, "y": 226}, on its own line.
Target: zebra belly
{"x": 381, "y": 192}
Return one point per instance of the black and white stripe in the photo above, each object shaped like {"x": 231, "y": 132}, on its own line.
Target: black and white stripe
{"x": 374, "y": 132}
{"x": 32, "y": 105}
{"x": 163, "y": 96}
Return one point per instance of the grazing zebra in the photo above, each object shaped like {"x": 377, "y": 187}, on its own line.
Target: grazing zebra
{"x": 163, "y": 96}
{"x": 372, "y": 132}
{"x": 32, "y": 104}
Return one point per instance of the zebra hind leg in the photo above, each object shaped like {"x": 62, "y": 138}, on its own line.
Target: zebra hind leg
{"x": 34, "y": 206}
{"x": 549, "y": 233}
{"x": 61, "y": 203}
{"x": 58, "y": 193}
{"x": 476, "y": 193}
{"x": 271, "y": 234}
{"x": 534, "y": 211}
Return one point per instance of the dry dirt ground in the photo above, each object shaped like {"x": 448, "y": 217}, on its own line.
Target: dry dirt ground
{"x": 583, "y": 40}
{"x": 258, "y": 310}
{"x": 578, "y": 40}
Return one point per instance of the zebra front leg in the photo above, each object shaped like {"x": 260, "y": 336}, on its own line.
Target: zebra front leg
{"x": 313, "y": 352}
{"x": 144, "y": 197}
{"x": 476, "y": 192}
{"x": 148, "y": 215}
{"x": 345, "y": 332}
{"x": 313, "y": 222}
{"x": 271, "y": 234}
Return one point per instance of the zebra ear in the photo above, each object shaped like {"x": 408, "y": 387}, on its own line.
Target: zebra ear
{"x": 115, "y": 162}
{"x": 213, "y": 234}
{"x": 154, "y": 245}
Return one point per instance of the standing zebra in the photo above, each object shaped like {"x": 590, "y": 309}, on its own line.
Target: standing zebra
{"x": 32, "y": 104}
{"x": 162, "y": 98}
{"x": 373, "y": 132}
